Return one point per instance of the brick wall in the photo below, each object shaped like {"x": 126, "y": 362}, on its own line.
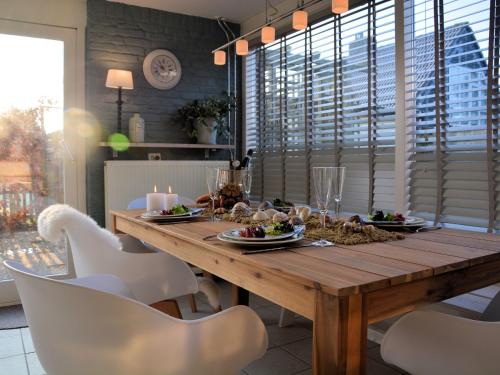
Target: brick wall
{"x": 120, "y": 36}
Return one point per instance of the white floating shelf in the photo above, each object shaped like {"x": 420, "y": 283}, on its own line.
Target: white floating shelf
{"x": 173, "y": 145}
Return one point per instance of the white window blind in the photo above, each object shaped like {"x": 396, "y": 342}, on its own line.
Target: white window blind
{"x": 451, "y": 63}
{"x": 323, "y": 97}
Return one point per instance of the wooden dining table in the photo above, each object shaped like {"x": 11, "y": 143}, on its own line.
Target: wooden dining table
{"x": 342, "y": 289}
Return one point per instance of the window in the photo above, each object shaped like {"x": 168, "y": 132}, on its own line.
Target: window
{"x": 326, "y": 96}
{"x": 447, "y": 61}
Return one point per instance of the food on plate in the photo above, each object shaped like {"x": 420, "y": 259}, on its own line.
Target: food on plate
{"x": 253, "y": 232}
{"x": 240, "y": 209}
{"x": 279, "y": 217}
{"x": 380, "y": 216}
{"x": 270, "y": 212}
{"x": 260, "y": 216}
{"x": 265, "y": 205}
{"x": 205, "y": 198}
{"x": 279, "y": 228}
{"x": 281, "y": 203}
{"x": 304, "y": 213}
{"x": 178, "y": 209}
{"x": 296, "y": 220}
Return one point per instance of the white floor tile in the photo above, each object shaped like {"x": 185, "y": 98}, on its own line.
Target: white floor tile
{"x": 9, "y": 332}
{"x": 276, "y": 362}
{"x": 10, "y": 346}
{"x": 15, "y": 365}
{"x": 301, "y": 349}
{"x": 27, "y": 341}
{"x": 34, "y": 366}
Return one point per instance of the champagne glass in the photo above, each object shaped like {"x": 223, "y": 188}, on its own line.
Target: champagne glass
{"x": 338, "y": 185}
{"x": 323, "y": 184}
{"x": 213, "y": 187}
{"x": 246, "y": 180}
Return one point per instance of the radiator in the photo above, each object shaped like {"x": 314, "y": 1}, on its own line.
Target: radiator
{"x": 125, "y": 180}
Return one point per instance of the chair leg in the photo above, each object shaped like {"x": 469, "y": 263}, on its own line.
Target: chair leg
{"x": 286, "y": 318}
{"x": 192, "y": 303}
{"x": 168, "y": 306}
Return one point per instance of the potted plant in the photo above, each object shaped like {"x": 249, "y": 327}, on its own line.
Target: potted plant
{"x": 204, "y": 120}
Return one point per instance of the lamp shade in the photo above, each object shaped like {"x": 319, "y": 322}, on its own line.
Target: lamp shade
{"x": 340, "y": 6}
{"x": 242, "y": 47}
{"x": 119, "y": 79}
{"x": 268, "y": 34}
{"x": 299, "y": 20}
{"x": 220, "y": 57}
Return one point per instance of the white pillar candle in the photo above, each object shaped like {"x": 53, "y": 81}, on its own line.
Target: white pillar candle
{"x": 172, "y": 199}
{"x": 156, "y": 201}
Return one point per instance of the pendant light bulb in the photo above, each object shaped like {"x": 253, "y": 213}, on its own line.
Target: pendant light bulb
{"x": 340, "y": 6}
{"x": 220, "y": 57}
{"x": 299, "y": 20}
{"x": 242, "y": 47}
{"x": 268, "y": 34}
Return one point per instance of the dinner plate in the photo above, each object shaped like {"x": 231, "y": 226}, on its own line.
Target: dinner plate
{"x": 295, "y": 238}
{"x": 155, "y": 215}
{"x": 409, "y": 221}
{"x": 234, "y": 234}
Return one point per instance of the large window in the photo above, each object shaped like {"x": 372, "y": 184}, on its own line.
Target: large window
{"x": 326, "y": 96}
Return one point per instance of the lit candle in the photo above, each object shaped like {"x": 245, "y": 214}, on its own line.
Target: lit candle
{"x": 172, "y": 199}
{"x": 156, "y": 201}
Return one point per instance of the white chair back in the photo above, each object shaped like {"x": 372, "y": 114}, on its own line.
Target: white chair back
{"x": 80, "y": 330}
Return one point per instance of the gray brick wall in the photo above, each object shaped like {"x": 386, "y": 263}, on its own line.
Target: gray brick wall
{"x": 120, "y": 36}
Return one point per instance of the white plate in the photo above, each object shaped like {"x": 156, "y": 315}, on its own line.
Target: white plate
{"x": 295, "y": 238}
{"x": 409, "y": 221}
{"x": 234, "y": 234}
{"x": 155, "y": 216}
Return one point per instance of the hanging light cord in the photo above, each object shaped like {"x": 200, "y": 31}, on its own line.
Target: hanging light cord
{"x": 277, "y": 19}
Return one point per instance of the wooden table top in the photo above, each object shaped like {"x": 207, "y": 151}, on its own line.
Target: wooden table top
{"x": 347, "y": 269}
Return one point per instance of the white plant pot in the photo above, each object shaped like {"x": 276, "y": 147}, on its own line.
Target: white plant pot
{"x": 207, "y": 131}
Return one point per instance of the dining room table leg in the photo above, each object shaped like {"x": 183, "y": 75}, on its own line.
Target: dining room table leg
{"x": 339, "y": 335}
{"x": 239, "y": 296}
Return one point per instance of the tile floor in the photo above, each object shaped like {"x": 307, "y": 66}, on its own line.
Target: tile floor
{"x": 289, "y": 350}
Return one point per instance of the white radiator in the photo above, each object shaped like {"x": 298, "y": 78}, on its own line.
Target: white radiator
{"x": 125, "y": 180}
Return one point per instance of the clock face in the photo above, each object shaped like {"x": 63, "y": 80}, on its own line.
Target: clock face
{"x": 162, "y": 69}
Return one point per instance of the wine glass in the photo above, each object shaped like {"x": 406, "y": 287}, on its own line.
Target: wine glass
{"x": 323, "y": 182}
{"x": 246, "y": 180}
{"x": 213, "y": 187}
{"x": 338, "y": 185}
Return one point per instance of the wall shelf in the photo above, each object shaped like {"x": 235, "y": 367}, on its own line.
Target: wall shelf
{"x": 206, "y": 147}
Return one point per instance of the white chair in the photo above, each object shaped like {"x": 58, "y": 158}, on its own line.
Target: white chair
{"x": 428, "y": 342}
{"x": 153, "y": 277}
{"x": 79, "y": 329}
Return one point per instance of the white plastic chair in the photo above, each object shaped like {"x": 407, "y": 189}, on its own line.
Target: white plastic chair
{"x": 429, "y": 342}
{"x": 151, "y": 276}
{"x": 79, "y": 329}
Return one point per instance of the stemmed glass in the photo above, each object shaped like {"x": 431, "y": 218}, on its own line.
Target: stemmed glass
{"x": 246, "y": 180}
{"x": 213, "y": 187}
{"x": 323, "y": 182}
{"x": 338, "y": 185}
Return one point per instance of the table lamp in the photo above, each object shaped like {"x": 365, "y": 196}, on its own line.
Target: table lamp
{"x": 119, "y": 79}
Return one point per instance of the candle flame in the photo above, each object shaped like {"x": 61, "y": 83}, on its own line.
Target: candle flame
{"x": 170, "y": 189}
{"x": 155, "y": 189}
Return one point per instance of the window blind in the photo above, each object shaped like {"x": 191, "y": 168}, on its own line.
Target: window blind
{"x": 451, "y": 64}
{"x": 324, "y": 96}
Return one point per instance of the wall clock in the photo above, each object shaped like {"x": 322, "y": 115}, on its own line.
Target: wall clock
{"x": 162, "y": 69}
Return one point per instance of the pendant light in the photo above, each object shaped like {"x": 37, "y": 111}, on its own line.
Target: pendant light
{"x": 220, "y": 57}
{"x": 299, "y": 20}
{"x": 268, "y": 33}
{"x": 299, "y": 17}
{"x": 242, "y": 47}
{"x": 340, "y": 6}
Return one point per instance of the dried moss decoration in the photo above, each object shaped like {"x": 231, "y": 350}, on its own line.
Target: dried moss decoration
{"x": 340, "y": 231}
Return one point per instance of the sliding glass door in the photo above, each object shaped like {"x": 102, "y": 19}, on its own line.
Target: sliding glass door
{"x": 37, "y": 167}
